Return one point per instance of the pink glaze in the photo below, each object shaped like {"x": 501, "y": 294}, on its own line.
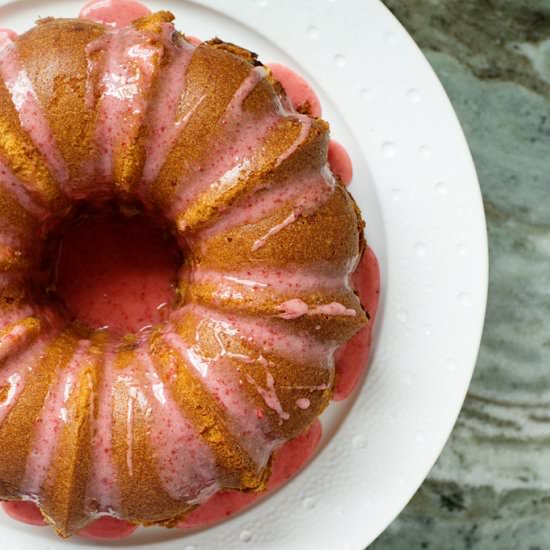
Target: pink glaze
{"x": 230, "y": 157}
{"x": 295, "y": 308}
{"x": 257, "y": 279}
{"x": 300, "y": 93}
{"x": 303, "y": 403}
{"x": 340, "y": 162}
{"x": 306, "y": 192}
{"x": 262, "y": 241}
{"x": 351, "y": 359}
{"x": 15, "y": 371}
{"x": 12, "y": 35}
{"x": 222, "y": 381}
{"x": 53, "y": 417}
{"x": 117, "y": 271}
{"x": 105, "y": 528}
{"x": 31, "y": 115}
{"x": 102, "y": 494}
{"x": 24, "y": 511}
{"x": 269, "y": 395}
{"x": 266, "y": 335}
{"x": 167, "y": 117}
{"x": 126, "y": 74}
{"x": 186, "y": 466}
{"x": 287, "y": 462}
{"x": 114, "y": 13}
{"x": 108, "y": 528}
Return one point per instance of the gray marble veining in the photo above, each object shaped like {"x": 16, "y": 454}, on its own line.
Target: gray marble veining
{"x": 490, "y": 488}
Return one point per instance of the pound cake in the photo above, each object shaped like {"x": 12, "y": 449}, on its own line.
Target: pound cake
{"x": 146, "y": 425}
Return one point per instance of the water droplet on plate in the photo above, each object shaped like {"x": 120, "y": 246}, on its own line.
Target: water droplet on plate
{"x": 425, "y": 152}
{"x": 245, "y": 536}
{"x": 340, "y": 60}
{"x": 388, "y": 149}
{"x": 464, "y": 299}
{"x": 402, "y": 314}
{"x": 308, "y": 503}
{"x": 396, "y": 194}
{"x": 365, "y": 94}
{"x": 413, "y": 95}
{"x": 420, "y": 250}
{"x": 359, "y": 442}
{"x": 313, "y": 31}
{"x": 441, "y": 187}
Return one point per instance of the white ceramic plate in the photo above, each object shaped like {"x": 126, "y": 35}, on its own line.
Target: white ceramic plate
{"x": 416, "y": 184}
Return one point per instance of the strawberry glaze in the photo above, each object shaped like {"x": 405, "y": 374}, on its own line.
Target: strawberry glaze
{"x": 351, "y": 359}
{"x": 300, "y": 93}
{"x": 287, "y": 462}
{"x": 114, "y": 13}
{"x": 117, "y": 271}
{"x": 340, "y": 161}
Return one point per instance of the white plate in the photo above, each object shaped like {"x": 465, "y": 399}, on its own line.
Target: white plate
{"x": 416, "y": 184}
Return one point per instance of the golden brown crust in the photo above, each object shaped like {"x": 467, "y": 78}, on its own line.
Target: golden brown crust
{"x": 16, "y": 431}
{"x": 213, "y": 77}
{"x": 143, "y": 498}
{"x": 236, "y": 470}
{"x": 22, "y": 157}
{"x": 59, "y": 76}
{"x": 326, "y": 239}
{"x": 293, "y": 379}
{"x": 63, "y": 494}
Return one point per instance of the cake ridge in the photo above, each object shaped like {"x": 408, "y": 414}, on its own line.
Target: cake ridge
{"x": 102, "y": 494}
{"x": 29, "y": 109}
{"x": 250, "y": 430}
{"x": 18, "y": 334}
{"x": 228, "y": 150}
{"x": 18, "y": 425}
{"x": 235, "y": 467}
{"x": 176, "y": 471}
{"x": 309, "y": 191}
{"x": 126, "y": 73}
{"x": 165, "y": 121}
{"x": 52, "y": 416}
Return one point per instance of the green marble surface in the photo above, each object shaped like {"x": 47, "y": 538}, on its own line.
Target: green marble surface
{"x": 490, "y": 488}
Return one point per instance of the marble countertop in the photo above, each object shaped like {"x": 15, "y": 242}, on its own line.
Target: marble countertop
{"x": 490, "y": 488}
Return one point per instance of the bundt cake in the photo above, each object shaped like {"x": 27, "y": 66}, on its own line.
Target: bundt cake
{"x": 146, "y": 426}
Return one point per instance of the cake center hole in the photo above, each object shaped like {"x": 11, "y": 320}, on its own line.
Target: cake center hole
{"x": 116, "y": 270}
